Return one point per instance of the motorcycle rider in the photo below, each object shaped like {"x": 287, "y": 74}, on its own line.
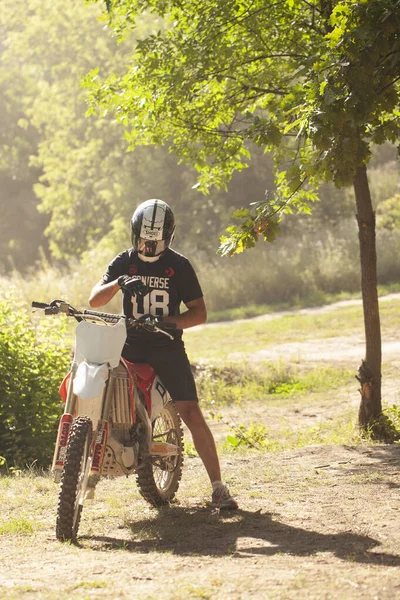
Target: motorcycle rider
{"x": 154, "y": 280}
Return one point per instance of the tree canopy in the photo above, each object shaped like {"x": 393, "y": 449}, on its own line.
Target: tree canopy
{"x": 316, "y": 82}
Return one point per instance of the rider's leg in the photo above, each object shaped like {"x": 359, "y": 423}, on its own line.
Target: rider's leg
{"x": 172, "y": 365}
{"x": 203, "y": 439}
{"x": 204, "y": 443}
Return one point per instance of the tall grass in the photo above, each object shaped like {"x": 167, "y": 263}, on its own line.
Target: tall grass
{"x": 292, "y": 272}
{"x": 296, "y": 272}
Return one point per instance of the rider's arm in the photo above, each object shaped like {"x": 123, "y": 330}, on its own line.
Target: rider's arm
{"x": 102, "y": 293}
{"x": 195, "y": 315}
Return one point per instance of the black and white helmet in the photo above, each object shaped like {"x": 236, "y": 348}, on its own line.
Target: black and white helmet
{"x": 152, "y": 228}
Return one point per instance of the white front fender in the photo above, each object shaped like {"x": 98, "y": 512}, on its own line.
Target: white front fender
{"x": 90, "y": 380}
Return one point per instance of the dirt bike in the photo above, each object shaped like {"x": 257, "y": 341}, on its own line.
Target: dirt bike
{"x": 118, "y": 419}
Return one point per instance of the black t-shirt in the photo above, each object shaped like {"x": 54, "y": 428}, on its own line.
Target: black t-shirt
{"x": 171, "y": 279}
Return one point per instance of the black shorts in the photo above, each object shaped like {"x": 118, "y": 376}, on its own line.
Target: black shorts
{"x": 171, "y": 364}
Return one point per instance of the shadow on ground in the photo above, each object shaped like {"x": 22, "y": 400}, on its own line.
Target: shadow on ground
{"x": 203, "y": 532}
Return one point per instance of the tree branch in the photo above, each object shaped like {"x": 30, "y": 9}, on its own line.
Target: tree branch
{"x": 388, "y": 85}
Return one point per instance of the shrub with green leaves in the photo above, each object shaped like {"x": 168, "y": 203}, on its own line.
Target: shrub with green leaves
{"x": 33, "y": 361}
{"x": 255, "y": 435}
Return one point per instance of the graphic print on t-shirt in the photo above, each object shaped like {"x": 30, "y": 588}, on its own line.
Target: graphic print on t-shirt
{"x": 171, "y": 280}
{"x": 156, "y": 302}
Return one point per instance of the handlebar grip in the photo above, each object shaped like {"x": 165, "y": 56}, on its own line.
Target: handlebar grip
{"x": 40, "y": 304}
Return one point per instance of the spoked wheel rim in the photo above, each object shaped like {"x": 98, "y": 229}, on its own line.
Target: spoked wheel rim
{"x": 164, "y": 467}
{"x": 158, "y": 477}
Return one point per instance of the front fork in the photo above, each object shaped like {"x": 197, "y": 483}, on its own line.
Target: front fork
{"x": 64, "y": 429}
{"x": 100, "y": 431}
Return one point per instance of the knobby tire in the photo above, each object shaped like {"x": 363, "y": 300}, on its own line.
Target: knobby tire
{"x": 158, "y": 478}
{"x": 68, "y": 513}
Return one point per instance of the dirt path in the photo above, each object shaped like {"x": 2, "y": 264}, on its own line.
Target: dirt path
{"x": 317, "y": 523}
{"x": 334, "y": 349}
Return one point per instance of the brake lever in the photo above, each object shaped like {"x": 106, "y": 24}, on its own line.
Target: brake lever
{"x": 171, "y": 337}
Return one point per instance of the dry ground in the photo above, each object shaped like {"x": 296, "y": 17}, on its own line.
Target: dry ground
{"x": 321, "y": 522}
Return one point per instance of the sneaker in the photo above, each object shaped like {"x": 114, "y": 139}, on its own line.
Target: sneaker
{"x": 222, "y": 499}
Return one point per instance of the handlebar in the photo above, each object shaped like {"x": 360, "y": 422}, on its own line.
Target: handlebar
{"x": 40, "y": 305}
{"x": 61, "y": 307}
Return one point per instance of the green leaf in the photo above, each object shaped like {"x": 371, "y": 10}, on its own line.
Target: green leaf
{"x": 233, "y": 441}
{"x": 241, "y": 213}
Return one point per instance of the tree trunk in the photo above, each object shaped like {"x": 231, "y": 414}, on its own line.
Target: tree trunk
{"x": 369, "y": 373}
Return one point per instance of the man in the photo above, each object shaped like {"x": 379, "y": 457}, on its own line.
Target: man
{"x": 155, "y": 280}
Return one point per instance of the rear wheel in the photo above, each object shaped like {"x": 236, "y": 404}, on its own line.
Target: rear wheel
{"x": 158, "y": 477}
{"x": 74, "y": 479}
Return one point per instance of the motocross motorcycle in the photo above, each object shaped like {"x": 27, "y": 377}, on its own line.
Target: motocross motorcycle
{"x": 118, "y": 420}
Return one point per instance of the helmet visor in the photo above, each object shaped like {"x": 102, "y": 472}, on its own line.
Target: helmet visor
{"x": 151, "y": 248}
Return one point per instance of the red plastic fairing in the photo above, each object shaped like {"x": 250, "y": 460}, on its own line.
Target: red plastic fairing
{"x": 144, "y": 376}
{"x": 63, "y": 389}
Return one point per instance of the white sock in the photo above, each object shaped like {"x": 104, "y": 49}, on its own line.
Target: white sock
{"x": 216, "y": 485}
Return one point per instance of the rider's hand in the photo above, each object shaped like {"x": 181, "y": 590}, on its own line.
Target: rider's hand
{"x": 148, "y": 322}
{"x": 133, "y": 285}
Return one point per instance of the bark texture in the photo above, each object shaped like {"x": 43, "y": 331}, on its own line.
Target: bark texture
{"x": 369, "y": 374}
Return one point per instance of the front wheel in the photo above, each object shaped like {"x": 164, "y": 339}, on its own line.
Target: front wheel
{"x": 74, "y": 479}
{"x": 158, "y": 477}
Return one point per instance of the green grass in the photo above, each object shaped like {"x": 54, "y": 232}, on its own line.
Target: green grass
{"x": 371, "y": 477}
{"x": 17, "y": 526}
{"x": 90, "y": 585}
{"x": 236, "y": 383}
{"x": 194, "y": 592}
{"x": 342, "y": 429}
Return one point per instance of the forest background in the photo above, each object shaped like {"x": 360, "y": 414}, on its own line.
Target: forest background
{"x": 68, "y": 185}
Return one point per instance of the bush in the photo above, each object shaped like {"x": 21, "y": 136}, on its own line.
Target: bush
{"x": 33, "y": 361}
